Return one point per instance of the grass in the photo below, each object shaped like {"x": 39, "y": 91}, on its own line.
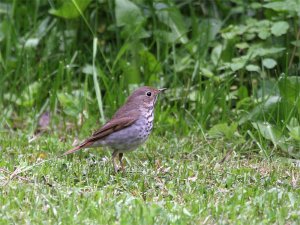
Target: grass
{"x": 168, "y": 181}
{"x": 231, "y": 88}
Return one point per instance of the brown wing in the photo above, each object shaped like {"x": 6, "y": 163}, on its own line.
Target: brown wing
{"x": 112, "y": 126}
{"x": 108, "y": 128}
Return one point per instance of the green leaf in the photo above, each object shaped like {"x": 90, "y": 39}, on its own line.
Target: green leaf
{"x": 216, "y": 53}
{"x": 269, "y": 63}
{"x": 68, "y": 9}
{"x": 259, "y": 50}
{"x": 71, "y": 105}
{"x": 183, "y": 63}
{"x": 274, "y": 134}
{"x": 261, "y": 109}
{"x": 149, "y": 63}
{"x": 223, "y": 129}
{"x": 87, "y": 69}
{"x": 172, "y": 17}
{"x": 232, "y": 31}
{"x": 208, "y": 29}
{"x": 130, "y": 72}
{"x": 289, "y": 90}
{"x": 253, "y": 68}
{"x": 11, "y": 97}
{"x": 269, "y": 132}
{"x": 294, "y": 129}
{"x": 256, "y": 5}
{"x": 165, "y": 36}
{"x": 296, "y": 43}
{"x": 206, "y": 72}
{"x": 31, "y": 43}
{"x": 264, "y": 34}
{"x": 242, "y": 45}
{"x": 193, "y": 96}
{"x": 127, "y": 13}
{"x": 279, "y": 28}
{"x": 295, "y": 133}
{"x": 238, "y": 63}
{"x": 287, "y": 5}
{"x": 293, "y": 123}
{"x": 30, "y": 94}
{"x": 129, "y": 16}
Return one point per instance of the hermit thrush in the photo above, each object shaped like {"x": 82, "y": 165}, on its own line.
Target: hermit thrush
{"x": 129, "y": 127}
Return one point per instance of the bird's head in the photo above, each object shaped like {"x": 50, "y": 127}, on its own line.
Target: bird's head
{"x": 145, "y": 96}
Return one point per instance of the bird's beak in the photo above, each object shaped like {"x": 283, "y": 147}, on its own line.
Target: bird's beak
{"x": 162, "y": 89}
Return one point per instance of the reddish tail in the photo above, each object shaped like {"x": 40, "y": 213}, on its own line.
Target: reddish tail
{"x": 79, "y": 147}
{"x": 73, "y": 150}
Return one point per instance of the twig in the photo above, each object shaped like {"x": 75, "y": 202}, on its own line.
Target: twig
{"x": 20, "y": 170}
{"x": 227, "y": 156}
{"x": 12, "y": 175}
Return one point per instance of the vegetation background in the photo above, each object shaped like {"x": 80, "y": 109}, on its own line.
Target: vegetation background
{"x": 226, "y": 144}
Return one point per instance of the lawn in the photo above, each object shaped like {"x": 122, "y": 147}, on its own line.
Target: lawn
{"x": 168, "y": 181}
{"x": 226, "y": 142}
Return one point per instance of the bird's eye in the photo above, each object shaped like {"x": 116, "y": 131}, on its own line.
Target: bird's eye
{"x": 149, "y": 93}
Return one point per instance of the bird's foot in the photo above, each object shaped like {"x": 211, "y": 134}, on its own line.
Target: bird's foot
{"x": 119, "y": 169}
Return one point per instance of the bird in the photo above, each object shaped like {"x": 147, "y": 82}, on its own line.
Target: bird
{"x": 129, "y": 128}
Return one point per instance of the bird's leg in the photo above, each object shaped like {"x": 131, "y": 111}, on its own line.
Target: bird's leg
{"x": 121, "y": 163}
{"x": 114, "y": 158}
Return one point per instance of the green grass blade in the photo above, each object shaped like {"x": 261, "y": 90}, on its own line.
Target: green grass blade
{"x": 96, "y": 83}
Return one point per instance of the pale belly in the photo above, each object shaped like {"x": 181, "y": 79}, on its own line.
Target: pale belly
{"x": 129, "y": 138}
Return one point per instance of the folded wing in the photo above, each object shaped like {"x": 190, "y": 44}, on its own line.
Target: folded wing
{"x": 108, "y": 128}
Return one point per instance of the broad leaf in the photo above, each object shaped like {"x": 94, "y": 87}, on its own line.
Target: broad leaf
{"x": 223, "y": 129}
{"x": 279, "y": 28}
{"x": 260, "y": 109}
{"x": 290, "y": 90}
{"x": 269, "y": 63}
{"x": 149, "y": 63}
{"x": 127, "y": 13}
{"x": 72, "y": 105}
{"x": 216, "y": 54}
{"x": 253, "y": 68}
{"x": 70, "y": 8}
{"x": 269, "y": 132}
{"x": 287, "y": 5}
{"x": 172, "y": 17}
{"x": 295, "y": 133}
